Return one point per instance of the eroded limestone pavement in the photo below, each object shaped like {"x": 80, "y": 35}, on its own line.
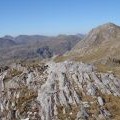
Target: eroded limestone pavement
{"x": 57, "y": 91}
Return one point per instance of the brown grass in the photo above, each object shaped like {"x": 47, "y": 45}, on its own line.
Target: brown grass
{"x": 27, "y": 95}
{"x": 107, "y": 68}
{"x": 60, "y": 58}
{"x": 113, "y": 105}
{"x": 12, "y": 73}
{"x": 73, "y": 109}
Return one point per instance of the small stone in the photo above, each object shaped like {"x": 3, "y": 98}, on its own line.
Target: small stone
{"x": 100, "y": 101}
{"x": 25, "y": 119}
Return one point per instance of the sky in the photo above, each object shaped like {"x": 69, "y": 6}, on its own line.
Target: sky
{"x": 53, "y": 17}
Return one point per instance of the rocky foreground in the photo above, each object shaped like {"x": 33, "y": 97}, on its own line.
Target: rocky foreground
{"x": 58, "y": 91}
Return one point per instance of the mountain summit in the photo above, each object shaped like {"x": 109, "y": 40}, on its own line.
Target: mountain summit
{"x": 101, "y": 42}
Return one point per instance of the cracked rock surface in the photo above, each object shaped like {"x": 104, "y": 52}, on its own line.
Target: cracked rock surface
{"x": 58, "y": 91}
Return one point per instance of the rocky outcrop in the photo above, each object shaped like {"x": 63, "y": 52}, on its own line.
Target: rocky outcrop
{"x": 58, "y": 91}
{"x": 45, "y": 52}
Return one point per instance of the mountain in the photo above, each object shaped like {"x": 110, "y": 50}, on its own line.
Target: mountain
{"x": 69, "y": 90}
{"x": 38, "y": 46}
{"x": 26, "y": 39}
{"x": 8, "y": 37}
{"x": 102, "y": 43}
{"x": 5, "y": 43}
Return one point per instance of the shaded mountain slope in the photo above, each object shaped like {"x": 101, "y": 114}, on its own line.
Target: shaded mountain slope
{"x": 4, "y": 43}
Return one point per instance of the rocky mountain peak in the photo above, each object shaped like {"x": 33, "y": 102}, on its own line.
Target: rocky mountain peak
{"x": 105, "y": 29}
{"x": 110, "y": 28}
{"x": 109, "y": 24}
{"x": 103, "y": 40}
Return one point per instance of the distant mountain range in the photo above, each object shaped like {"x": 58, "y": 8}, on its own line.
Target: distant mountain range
{"x": 25, "y": 47}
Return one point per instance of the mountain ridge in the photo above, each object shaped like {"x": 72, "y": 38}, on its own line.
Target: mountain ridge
{"x": 6, "y": 43}
{"x": 102, "y": 42}
{"x": 27, "y": 47}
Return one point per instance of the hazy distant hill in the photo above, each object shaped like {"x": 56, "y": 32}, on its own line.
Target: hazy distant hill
{"x": 5, "y": 43}
{"x": 26, "y": 39}
{"x": 28, "y": 46}
{"x": 8, "y": 37}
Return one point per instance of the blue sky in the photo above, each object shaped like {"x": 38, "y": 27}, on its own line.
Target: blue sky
{"x": 52, "y": 17}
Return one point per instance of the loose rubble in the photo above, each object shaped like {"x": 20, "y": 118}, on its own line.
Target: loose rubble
{"x": 57, "y": 91}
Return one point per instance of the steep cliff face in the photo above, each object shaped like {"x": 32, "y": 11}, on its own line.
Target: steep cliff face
{"x": 59, "y": 91}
